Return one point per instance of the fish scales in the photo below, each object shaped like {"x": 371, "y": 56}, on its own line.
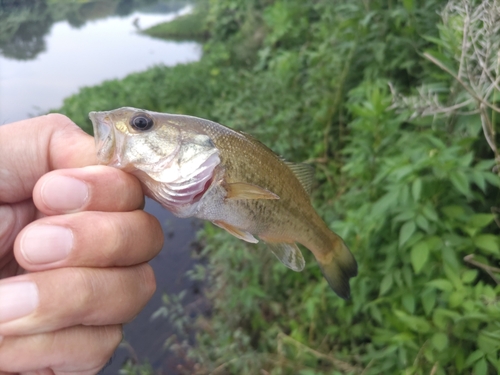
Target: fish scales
{"x": 196, "y": 167}
{"x": 251, "y": 168}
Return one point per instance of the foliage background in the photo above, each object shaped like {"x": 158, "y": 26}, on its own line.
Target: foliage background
{"x": 367, "y": 92}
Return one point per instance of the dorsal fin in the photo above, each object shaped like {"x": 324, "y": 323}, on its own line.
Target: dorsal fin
{"x": 304, "y": 173}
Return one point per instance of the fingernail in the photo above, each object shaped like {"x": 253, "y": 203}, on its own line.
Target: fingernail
{"x": 64, "y": 193}
{"x": 17, "y": 299}
{"x": 43, "y": 244}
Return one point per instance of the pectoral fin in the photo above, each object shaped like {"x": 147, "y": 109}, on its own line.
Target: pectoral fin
{"x": 238, "y": 233}
{"x": 243, "y": 190}
{"x": 288, "y": 254}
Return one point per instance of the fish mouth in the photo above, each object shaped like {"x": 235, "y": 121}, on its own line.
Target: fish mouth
{"x": 104, "y": 136}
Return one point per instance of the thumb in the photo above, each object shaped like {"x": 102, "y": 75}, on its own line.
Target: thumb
{"x": 33, "y": 147}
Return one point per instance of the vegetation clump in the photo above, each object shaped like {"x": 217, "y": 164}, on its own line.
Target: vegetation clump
{"x": 384, "y": 100}
{"x": 189, "y": 26}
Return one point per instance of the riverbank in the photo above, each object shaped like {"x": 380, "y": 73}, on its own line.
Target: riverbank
{"x": 410, "y": 194}
{"x": 189, "y": 27}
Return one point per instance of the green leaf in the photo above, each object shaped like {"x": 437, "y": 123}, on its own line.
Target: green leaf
{"x": 487, "y": 242}
{"x": 450, "y": 259}
{"x": 454, "y": 211}
{"x": 492, "y": 179}
{"x": 481, "y": 220}
{"x": 456, "y": 299}
{"x": 386, "y": 284}
{"x": 443, "y": 317}
{"x": 479, "y": 180}
{"x": 434, "y": 242}
{"x": 439, "y": 341}
{"x": 481, "y": 367}
{"x": 473, "y": 357}
{"x": 430, "y": 213}
{"x": 407, "y": 229}
{"x": 416, "y": 189}
{"x": 485, "y": 165}
{"x": 401, "y": 172}
{"x": 381, "y": 207}
{"x": 459, "y": 180}
{"x": 488, "y": 343}
{"x": 474, "y": 316}
{"x": 466, "y": 159}
{"x": 469, "y": 276}
{"x": 459, "y": 359}
{"x": 408, "y": 276}
{"x": 409, "y": 5}
{"x": 422, "y": 222}
{"x": 492, "y": 358}
{"x": 434, "y": 40}
{"x": 404, "y": 216}
{"x": 376, "y": 314}
{"x": 310, "y": 307}
{"x": 429, "y": 300}
{"x": 443, "y": 59}
{"x": 409, "y": 303}
{"x": 414, "y": 323}
{"x": 441, "y": 284}
{"x": 308, "y": 372}
{"x": 452, "y": 275}
{"x": 419, "y": 256}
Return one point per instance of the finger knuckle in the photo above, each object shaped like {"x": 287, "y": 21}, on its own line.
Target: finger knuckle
{"x": 57, "y": 118}
{"x": 7, "y": 224}
{"x": 112, "y": 335}
{"x": 148, "y": 280}
{"x": 160, "y": 238}
{"x": 60, "y": 124}
{"x": 88, "y": 284}
{"x": 112, "y": 237}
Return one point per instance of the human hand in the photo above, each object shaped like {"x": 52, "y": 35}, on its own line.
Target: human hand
{"x": 73, "y": 247}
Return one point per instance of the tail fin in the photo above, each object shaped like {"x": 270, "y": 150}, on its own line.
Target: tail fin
{"x": 338, "y": 266}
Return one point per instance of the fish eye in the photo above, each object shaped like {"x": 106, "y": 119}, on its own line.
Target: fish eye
{"x": 141, "y": 122}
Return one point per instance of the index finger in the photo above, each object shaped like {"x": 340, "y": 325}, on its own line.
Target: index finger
{"x": 31, "y": 148}
{"x": 93, "y": 188}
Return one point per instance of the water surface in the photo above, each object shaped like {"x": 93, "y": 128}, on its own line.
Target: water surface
{"x": 73, "y": 57}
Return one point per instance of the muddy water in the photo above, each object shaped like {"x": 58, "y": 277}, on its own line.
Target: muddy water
{"x": 145, "y": 337}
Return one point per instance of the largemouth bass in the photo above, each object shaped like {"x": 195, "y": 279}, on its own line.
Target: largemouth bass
{"x": 195, "y": 167}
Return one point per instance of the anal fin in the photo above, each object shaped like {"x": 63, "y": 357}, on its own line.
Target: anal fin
{"x": 243, "y": 190}
{"x": 288, "y": 254}
{"x": 238, "y": 233}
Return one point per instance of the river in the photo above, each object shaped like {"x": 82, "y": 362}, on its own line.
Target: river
{"x": 50, "y": 49}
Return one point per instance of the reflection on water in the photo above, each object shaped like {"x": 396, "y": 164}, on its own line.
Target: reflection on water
{"x": 23, "y": 26}
{"x": 50, "y": 48}
{"x": 48, "y": 51}
{"x": 25, "y": 23}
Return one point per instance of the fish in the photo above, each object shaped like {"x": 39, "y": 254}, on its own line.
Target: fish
{"x": 199, "y": 168}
